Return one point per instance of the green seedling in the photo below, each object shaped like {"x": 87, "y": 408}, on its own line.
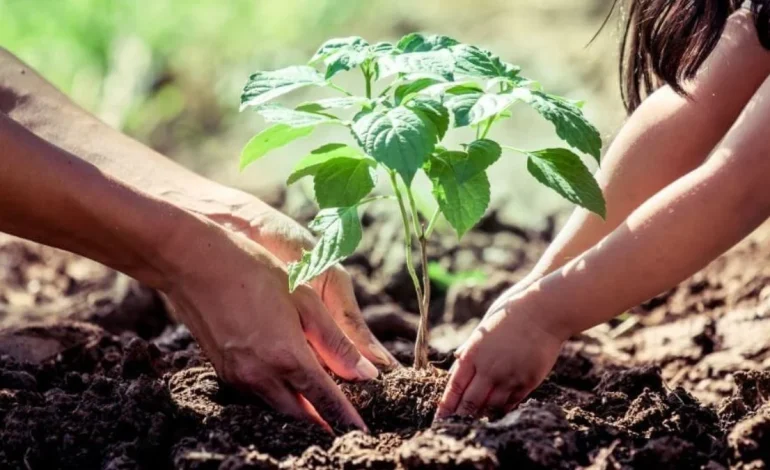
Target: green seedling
{"x": 415, "y": 91}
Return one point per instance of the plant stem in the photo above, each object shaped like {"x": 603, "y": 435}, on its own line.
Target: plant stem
{"x": 421, "y": 344}
{"x": 340, "y": 89}
{"x": 489, "y": 126}
{"x": 432, "y": 222}
{"x": 368, "y": 80}
{"x": 407, "y": 234}
{"x": 373, "y": 199}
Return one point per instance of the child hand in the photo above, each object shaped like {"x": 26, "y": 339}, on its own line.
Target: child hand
{"x": 507, "y": 356}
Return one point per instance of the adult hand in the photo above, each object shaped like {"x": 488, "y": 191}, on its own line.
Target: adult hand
{"x": 232, "y": 294}
{"x": 244, "y": 214}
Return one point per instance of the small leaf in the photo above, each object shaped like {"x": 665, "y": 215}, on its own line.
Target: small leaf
{"x": 463, "y": 204}
{"x": 344, "y": 181}
{"x": 265, "y": 86}
{"x": 432, "y": 110}
{"x": 481, "y": 155}
{"x": 440, "y": 63}
{"x": 470, "y": 107}
{"x": 564, "y": 172}
{"x": 309, "y": 164}
{"x": 416, "y": 42}
{"x": 569, "y": 121}
{"x": 477, "y": 62}
{"x": 399, "y": 138}
{"x": 407, "y": 91}
{"x": 340, "y": 233}
{"x": 294, "y": 118}
{"x": 344, "y": 102}
{"x": 342, "y": 54}
{"x": 269, "y": 139}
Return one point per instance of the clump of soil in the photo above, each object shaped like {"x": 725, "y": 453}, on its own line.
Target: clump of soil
{"x": 400, "y": 401}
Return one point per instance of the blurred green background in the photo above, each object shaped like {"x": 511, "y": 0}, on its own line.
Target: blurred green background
{"x": 169, "y": 72}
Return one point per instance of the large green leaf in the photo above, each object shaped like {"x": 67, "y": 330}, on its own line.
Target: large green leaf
{"x": 340, "y": 233}
{"x": 344, "y": 181}
{"x": 294, "y": 118}
{"x": 564, "y": 172}
{"x": 462, "y": 203}
{"x": 311, "y": 163}
{"x": 269, "y": 139}
{"x": 569, "y": 121}
{"x": 433, "y": 110}
{"x": 400, "y": 138}
{"x": 417, "y": 42}
{"x": 265, "y": 86}
{"x": 477, "y": 62}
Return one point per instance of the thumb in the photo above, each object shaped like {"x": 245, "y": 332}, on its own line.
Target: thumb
{"x": 336, "y": 290}
{"x": 328, "y": 340}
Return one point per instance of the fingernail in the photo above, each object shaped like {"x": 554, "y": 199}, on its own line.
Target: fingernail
{"x": 380, "y": 353}
{"x": 366, "y": 370}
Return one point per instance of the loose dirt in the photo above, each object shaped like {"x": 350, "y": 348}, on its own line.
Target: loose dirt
{"x": 681, "y": 382}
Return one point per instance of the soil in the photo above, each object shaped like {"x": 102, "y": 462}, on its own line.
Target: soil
{"x": 680, "y": 382}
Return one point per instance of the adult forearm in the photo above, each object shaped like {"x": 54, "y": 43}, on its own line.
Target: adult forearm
{"x": 51, "y": 196}
{"x": 37, "y": 105}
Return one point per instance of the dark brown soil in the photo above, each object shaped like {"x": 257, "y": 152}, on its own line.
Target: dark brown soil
{"x": 684, "y": 386}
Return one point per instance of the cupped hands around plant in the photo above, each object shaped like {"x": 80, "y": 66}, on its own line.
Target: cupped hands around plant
{"x": 414, "y": 92}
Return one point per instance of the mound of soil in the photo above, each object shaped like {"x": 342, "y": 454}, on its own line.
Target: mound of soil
{"x": 689, "y": 390}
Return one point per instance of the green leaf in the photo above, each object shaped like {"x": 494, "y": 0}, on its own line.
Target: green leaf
{"x": 477, "y": 62}
{"x": 269, "y": 139}
{"x": 311, "y": 163}
{"x": 407, "y": 91}
{"x": 344, "y": 102}
{"x": 470, "y": 107}
{"x": 440, "y": 63}
{"x": 294, "y": 118}
{"x": 340, "y": 233}
{"x": 569, "y": 121}
{"x": 432, "y": 110}
{"x": 400, "y": 138}
{"x": 416, "y": 42}
{"x": 564, "y": 172}
{"x": 382, "y": 48}
{"x": 462, "y": 203}
{"x": 481, "y": 154}
{"x": 341, "y": 54}
{"x": 265, "y": 86}
{"x": 344, "y": 181}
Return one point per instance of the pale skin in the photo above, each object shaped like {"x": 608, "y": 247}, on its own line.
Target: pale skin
{"x": 671, "y": 209}
{"x": 218, "y": 254}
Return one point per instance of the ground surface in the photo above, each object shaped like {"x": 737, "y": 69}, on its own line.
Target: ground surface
{"x": 108, "y": 382}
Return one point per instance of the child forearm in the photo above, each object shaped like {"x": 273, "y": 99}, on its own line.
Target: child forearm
{"x": 672, "y": 235}
{"x": 668, "y": 136}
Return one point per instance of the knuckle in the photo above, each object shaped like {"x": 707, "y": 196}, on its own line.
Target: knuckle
{"x": 455, "y": 389}
{"x": 340, "y": 345}
{"x": 468, "y": 407}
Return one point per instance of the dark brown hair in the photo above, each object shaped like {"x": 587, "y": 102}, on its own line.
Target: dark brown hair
{"x": 666, "y": 41}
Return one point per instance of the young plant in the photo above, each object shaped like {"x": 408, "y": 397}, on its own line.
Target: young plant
{"x": 434, "y": 83}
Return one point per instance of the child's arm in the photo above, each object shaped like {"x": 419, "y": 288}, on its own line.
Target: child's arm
{"x": 668, "y": 238}
{"x": 667, "y": 137}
